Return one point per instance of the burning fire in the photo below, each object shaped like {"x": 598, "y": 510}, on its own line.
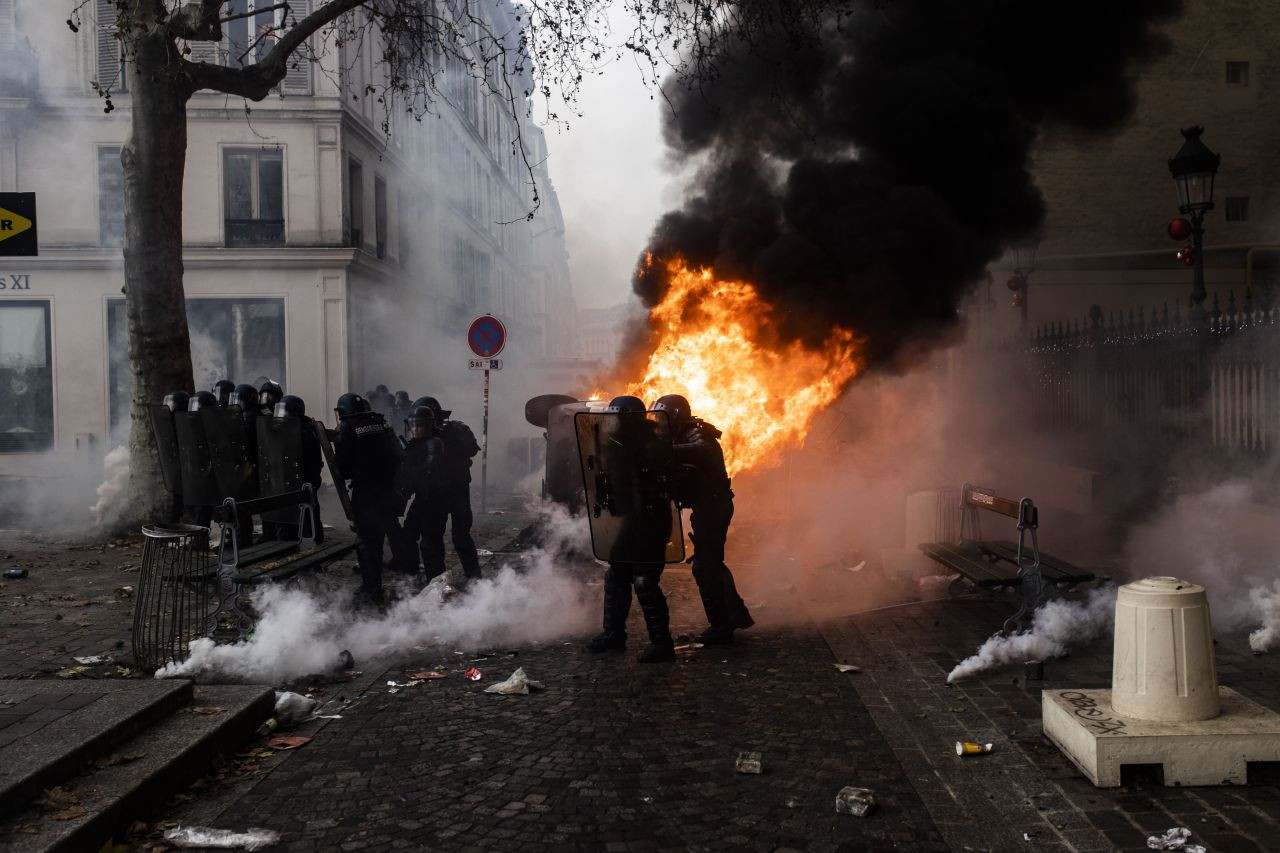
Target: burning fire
{"x": 716, "y": 345}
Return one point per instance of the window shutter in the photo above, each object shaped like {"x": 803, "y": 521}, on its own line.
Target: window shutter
{"x": 6, "y": 22}
{"x": 110, "y": 72}
{"x": 297, "y": 79}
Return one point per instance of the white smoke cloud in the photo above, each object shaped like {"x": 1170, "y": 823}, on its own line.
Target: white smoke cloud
{"x": 112, "y": 490}
{"x": 300, "y": 633}
{"x": 1055, "y": 626}
{"x": 1267, "y": 602}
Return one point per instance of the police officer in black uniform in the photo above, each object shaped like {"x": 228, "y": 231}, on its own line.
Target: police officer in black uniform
{"x": 368, "y": 454}
{"x": 421, "y": 478}
{"x": 290, "y": 406}
{"x": 645, "y": 532}
{"x": 704, "y": 488}
{"x": 452, "y": 504}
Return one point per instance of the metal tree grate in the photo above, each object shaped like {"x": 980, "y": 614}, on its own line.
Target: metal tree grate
{"x": 176, "y": 593}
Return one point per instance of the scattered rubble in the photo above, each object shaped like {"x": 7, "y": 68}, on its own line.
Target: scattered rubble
{"x": 855, "y": 801}
{"x": 748, "y": 762}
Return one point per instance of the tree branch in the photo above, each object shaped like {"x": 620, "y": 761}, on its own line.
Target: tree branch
{"x": 256, "y": 81}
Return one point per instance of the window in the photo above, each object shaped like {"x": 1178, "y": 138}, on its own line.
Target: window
{"x": 26, "y": 378}
{"x": 110, "y": 70}
{"x": 355, "y": 204}
{"x": 110, "y": 196}
{"x": 380, "y": 215}
{"x": 1237, "y": 208}
{"x": 253, "y": 190}
{"x": 237, "y": 339}
{"x": 1238, "y": 74}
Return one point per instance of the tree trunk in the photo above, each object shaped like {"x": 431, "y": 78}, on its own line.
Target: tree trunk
{"x": 154, "y": 162}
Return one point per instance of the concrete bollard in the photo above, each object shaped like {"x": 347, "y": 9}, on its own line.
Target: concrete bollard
{"x": 1163, "y": 662}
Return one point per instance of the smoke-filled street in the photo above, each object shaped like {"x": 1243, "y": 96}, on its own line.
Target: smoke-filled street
{"x": 606, "y": 425}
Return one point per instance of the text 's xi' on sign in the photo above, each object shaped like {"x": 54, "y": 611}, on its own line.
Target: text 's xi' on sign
{"x": 17, "y": 224}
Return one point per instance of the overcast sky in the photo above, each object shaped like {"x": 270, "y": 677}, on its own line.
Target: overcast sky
{"x": 607, "y": 168}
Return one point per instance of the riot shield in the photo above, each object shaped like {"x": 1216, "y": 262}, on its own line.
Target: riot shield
{"x": 231, "y": 448}
{"x": 339, "y": 480}
{"x": 625, "y": 458}
{"x": 280, "y": 467}
{"x": 199, "y": 486}
{"x": 161, "y": 418}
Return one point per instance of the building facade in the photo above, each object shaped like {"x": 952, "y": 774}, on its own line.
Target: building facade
{"x": 332, "y": 242}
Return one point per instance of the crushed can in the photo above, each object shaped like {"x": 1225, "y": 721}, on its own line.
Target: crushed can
{"x": 970, "y": 748}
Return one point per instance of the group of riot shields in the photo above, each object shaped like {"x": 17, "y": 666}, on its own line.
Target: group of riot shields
{"x": 617, "y": 466}
{"x": 207, "y": 454}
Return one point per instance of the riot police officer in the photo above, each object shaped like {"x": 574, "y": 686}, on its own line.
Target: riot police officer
{"x": 176, "y": 401}
{"x": 452, "y": 501}
{"x": 705, "y": 489}
{"x": 421, "y": 478}
{"x": 290, "y": 406}
{"x": 222, "y": 390}
{"x": 639, "y": 536}
{"x": 368, "y": 454}
{"x": 270, "y": 394}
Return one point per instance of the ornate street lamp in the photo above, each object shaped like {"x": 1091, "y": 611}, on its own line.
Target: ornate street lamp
{"x": 1194, "y": 168}
{"x": 1024, "y": 262}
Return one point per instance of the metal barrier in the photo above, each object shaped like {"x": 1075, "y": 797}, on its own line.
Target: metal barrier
{"x": 177, "y": 593}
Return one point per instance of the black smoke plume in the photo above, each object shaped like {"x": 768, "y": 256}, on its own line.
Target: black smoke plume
{"x": 864, "y": 171}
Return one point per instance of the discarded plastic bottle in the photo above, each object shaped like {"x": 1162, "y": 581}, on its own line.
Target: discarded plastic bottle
{"x": 15, "y": 574}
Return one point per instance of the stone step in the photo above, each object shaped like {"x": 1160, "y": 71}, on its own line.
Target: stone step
{"x": 158, "y": 763}
{"x": 50, "y": 728}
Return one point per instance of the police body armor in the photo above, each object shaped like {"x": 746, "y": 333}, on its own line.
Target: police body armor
{"x": 199, "y": 485}
{"x": 625, "y": 459}
{"x": 162, "y": 426}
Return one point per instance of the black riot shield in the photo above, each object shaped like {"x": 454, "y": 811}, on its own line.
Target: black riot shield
{"x": 199, "y": 486}
{"x": 161, "y": 418}
{"x": 230, "y": 446}
{"x": 339, "y": 481}
{"x": 625, "y": 458}
{"x": 280, "y": 467}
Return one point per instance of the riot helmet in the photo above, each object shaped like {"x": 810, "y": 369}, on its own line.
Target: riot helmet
{"x": 350, "y": 404}
{"x": 626, "y": 403}
{"x": 290, "y": 406}
{"x": 202, "y": 400}
{"x": 222, "y": 390}
{"x": 676, "y": 407}
{"x": 434, "y": 405}
{"x": 246, "y": 397}
{"x": 176, "y": 401}
{"x": 420, "y": 423}
{"x": 270, "y": 393}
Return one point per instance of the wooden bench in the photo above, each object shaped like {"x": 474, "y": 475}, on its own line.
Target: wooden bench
{"x": 1004, "y": 564}
{"x": 266, "y": 561}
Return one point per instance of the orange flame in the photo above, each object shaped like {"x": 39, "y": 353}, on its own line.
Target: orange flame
{"x": 716, "y": 344}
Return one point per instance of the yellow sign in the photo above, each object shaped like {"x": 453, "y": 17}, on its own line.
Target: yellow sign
{"x": 12, "y": 224}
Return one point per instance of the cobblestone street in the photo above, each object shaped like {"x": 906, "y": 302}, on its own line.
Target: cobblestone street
{"x": 616, "y": 756}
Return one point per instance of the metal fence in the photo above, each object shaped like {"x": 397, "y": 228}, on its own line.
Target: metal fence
{"x": 1209, "y": 385}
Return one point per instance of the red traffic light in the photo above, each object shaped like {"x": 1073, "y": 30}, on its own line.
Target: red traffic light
{"x": 1187, "y": 255}
{"x": 1179, "y": 229}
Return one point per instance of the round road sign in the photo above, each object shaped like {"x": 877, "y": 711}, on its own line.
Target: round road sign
{"x": 487, "y": 336}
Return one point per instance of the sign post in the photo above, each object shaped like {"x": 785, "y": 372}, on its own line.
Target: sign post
{"x": 486, "y": 337}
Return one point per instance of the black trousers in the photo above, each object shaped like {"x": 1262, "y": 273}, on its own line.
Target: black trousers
{"x": 709, "y": 529}
{"x": 375, "y": 522}
{"x": 619, "y": 580}
{"x": 452, "y": 507}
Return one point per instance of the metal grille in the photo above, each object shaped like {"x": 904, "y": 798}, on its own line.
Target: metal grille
{"x": 176, "y": 593}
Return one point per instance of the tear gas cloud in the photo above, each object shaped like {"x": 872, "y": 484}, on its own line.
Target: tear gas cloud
{"x": 301, "y": 633}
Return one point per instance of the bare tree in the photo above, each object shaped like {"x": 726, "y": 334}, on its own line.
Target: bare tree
{"x": 556, "y": 44}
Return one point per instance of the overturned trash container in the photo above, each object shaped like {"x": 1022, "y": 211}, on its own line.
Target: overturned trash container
{"x": 177, "y": 593}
